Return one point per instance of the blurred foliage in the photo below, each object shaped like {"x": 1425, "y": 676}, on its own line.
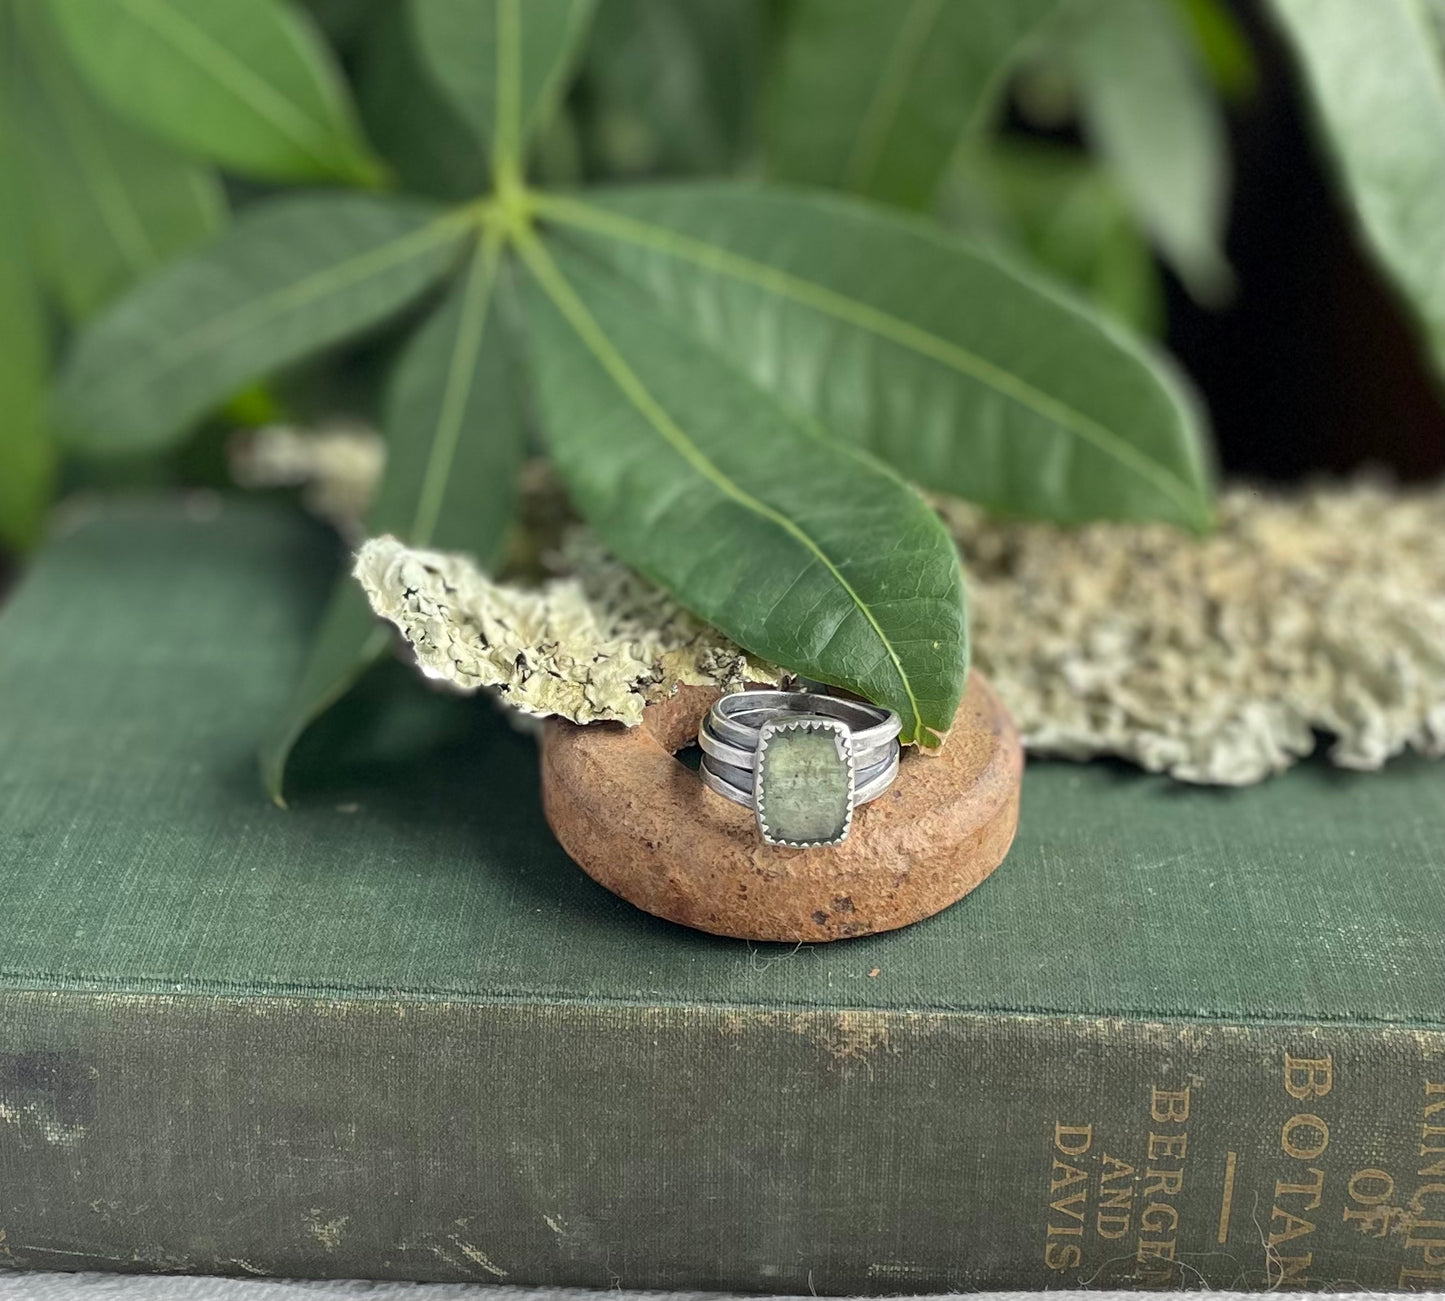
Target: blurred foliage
{"x": 1147, "y": 111}
{"x": 670, "y": 89}
{"x": 124, "y": 116}
{"x": 1376, "y": 78}
{"x": 1046, "y": 162}
{"x": 1223, "y": 47}
{"x": 1063, "y": 212}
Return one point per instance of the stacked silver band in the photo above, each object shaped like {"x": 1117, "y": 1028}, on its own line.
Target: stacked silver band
{"x": 738, "y": 727}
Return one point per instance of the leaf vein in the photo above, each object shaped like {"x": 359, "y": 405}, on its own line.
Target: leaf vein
{"x": 461, "y": 375}
{"x": 258, "y": 312}
{"x": 883, "y": 108}
{"x": 575, "y": 312}
{"x": 300, "y": 128}
{"x": 872, "y": 320}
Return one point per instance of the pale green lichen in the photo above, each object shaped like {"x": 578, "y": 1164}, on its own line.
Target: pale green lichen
{"x": 595, "y": 645}
{"x": 1218, "y": 659}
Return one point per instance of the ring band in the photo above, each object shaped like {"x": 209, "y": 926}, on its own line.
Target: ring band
{"x": 803, "y": 762}
{"x": 870, "y": 724}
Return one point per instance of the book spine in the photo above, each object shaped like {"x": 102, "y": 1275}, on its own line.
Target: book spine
{"x": 713, "y": 1147}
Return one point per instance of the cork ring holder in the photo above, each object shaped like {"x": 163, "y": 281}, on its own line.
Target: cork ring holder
{"x": 640, "y": 822}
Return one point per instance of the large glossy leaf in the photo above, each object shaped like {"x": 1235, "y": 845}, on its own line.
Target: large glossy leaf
{"x": 26, "y": 457}
{"x": 454, "y": 446}
{"x": 289, "y": 278}
{"x": 110, "y": 204}
{"x": 874, "y": 97}
{"x": 966, "y": 375}
{"x": 1376, "y": 74}
{"x": 671, "y": 85}
{"x": 247, "y": 83}
{"x": 801, "y": 549}
{"x": 503, "y": 63}
{"x": 1149, "y": 113}
{"x": 421, "y": 136}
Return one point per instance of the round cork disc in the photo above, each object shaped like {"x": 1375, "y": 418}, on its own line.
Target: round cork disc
{"x": 641, "y": 823}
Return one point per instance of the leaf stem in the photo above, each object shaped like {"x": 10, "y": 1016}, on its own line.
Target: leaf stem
{"x": 506, "y": 143}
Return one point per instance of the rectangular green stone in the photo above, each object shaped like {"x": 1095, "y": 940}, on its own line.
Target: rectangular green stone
{"x": 805, "y": 784}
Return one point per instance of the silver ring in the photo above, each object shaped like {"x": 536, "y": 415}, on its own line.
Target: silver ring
{"x": 731, "y": 715}
{"x": 803, "y": 762}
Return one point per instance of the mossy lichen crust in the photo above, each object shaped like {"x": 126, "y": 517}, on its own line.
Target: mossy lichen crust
{"x": 1220, "y": 659}
{"x": 596, "y": 645}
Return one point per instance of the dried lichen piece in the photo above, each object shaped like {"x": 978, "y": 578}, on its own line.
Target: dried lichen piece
{"x": 1218, "y": 659}
{"x": 595, "y": 645}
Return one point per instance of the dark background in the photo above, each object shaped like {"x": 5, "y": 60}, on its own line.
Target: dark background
{"x": 1313, "y": 366}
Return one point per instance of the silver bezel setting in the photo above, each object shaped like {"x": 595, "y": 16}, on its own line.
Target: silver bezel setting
{"x": 843, "y": 735}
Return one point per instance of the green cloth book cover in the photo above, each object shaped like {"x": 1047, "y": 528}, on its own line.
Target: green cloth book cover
{"x": 1181, "y": 1036}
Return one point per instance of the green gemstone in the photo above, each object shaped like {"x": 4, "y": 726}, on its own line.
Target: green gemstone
{"x": 805, "y": 785}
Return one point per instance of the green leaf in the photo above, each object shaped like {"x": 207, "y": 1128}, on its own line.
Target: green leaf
{"x": 347, "y": 641}
{"x": 1222, "y": 45}
{"x": 874, "y": 97}
{"x": 557, "y": 153}
{"x": 108, "y": 203}
{"x": 1061, "y": 212}
{"x": 27, "y": 459}
{"x": 504, "y": 64}
{"x": 341, "y": 20}
{"x": 430, "y": 149}
{"x": 27, "y": 456}
{"x": 801, "y": 549}
{"x": 249, "y": 84}
{"x": 671, "y": 85}
{"x": 1376, "y": 74}
{"x": 1149, "y": 113}
{"x": 455, "y": 436}
{"x": 965, "y": 374}
{"x": 455, "y": 443}
{"x": 289, "y": 278}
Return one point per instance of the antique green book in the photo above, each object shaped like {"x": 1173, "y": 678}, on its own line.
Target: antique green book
{"x": 1183, "y": 1036}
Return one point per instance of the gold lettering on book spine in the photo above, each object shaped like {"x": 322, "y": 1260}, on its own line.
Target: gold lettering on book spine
{"x": 1304, "y": 1136}
{"x": 1424, "y": 1213}
{"x": 1097, "y": 1199}
{"x": 1167, "y": 1148}
{"x": 1069, "y": 1177}
{"x": 1116, "y": 1198}
{"x": 1308, "y": 1077}
{"x": 1226, "y": 1198}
